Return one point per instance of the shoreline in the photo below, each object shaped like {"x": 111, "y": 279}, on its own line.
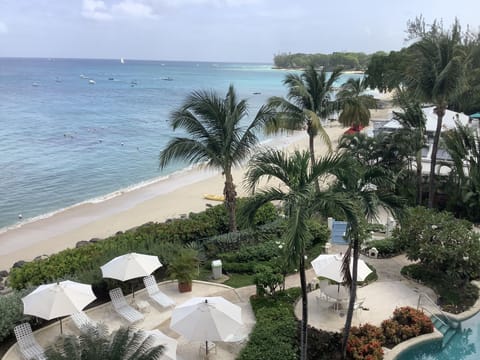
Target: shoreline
{"x": 170, "y": 197}
{"x": 179, "y": 193}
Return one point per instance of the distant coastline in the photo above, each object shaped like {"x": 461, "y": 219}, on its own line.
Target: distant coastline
{"x": 296, "y": 68}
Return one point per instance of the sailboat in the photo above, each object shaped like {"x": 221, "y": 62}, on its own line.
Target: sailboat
{"x": 122, "y": 61}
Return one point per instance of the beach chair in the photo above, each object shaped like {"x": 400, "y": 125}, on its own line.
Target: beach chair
{"x": 27, "y": 344}
{"x": 358, "y": 306}
{"x": 82, "y": 321}
{"x": 155, "y": 293}
{"x": 122, "y": 308}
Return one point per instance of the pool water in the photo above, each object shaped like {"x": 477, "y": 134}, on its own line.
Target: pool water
{"x": 464, "y": 345}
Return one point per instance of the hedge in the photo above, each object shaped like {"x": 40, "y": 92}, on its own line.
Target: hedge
{"x": 274, "y": 334}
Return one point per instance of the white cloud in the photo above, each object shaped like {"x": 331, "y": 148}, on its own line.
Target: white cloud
{"x": 132, "y": 8}
{"x": 3, "y": 28}
{"x": 95, "y": 10}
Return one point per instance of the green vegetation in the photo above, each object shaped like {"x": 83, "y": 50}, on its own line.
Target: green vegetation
{"x": 11, "y": 312}
{"x": 347, "y": 60}
{"x": 453, "y": 296}
{"x": 274, "y": 335}
{"x": 239, "y": 280}
{"x": 214, "y": 133}
{"x": 97, "y": 343}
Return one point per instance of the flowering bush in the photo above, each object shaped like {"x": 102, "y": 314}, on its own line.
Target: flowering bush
{"x": 365, "y": 343}
{"x": 405, "y": 324}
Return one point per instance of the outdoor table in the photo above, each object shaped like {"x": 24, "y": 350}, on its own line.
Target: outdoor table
{"x": 142, "y": 306}
{"x": 337, "y": 292}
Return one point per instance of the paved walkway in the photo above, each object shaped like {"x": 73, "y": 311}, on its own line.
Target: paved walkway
{"x": 390, "y": 291}
{"x": 381, "y": 298}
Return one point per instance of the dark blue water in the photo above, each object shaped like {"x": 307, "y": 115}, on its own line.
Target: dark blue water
{"x": 465, "y": 345}
{"x": 64, "y": 140}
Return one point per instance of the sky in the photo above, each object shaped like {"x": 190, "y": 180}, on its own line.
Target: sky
{"x": 214, "y": 30}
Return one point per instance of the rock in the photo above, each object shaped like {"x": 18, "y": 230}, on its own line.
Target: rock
{"x": 3, "y": 273}
{"x": 41, "y": 257}
{"x": 95, "y": 240}
{"x": 119, "y": 232}
{"x": 19, "y": 264}
{"x": 2, "y": 287}
{"x": 82, "y": 243}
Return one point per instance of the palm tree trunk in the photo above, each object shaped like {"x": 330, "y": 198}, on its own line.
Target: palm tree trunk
{"x": 303, "y": 331}
{"x": 311, "y": 146}
{"x": 230, "y": 201}
{"x": 440, "y": 111}
{"x": 419, "y": 177}
{"x": 353, "y": 295}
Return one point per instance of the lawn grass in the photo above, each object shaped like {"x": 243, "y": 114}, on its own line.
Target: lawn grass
{"x": 239, "y": 280}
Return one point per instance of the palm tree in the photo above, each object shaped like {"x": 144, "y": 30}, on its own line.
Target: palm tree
{"x": 437, "y": 75}
{"x": 371, "y": 187}
{"x": 413, "y": 121}
{"x": 217, "y": 133}
{"x": 309, "y": 100}
{"x": 463, "y": 145}
{"x": 95, "y": 343}
{"x": 298, "y": 178}
{"x": 355, "y": 104}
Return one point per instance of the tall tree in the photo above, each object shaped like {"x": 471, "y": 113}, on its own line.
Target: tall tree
{"x": 371, "y": 187}
{"x": 463, "y": 145}
{"x": 300, "y": 200}
{"x": 95, "y": 343}
{"x": 413, "y": 121}
{"x": 309, "y": 100}
{"x": 355, "y": 103}
{"x": 219, "y": 133}
{"x": 436, "y": 74}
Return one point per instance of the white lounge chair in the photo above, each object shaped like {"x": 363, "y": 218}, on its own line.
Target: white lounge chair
{"x": 27, "y": 344}
{"x": 82, "y": 321}
{"x": 155, "y": 293}
{"x": 122, "y": 308}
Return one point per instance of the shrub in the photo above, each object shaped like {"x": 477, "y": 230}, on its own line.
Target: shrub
{"x": 386, "y": 247}
{"x": 266, "y": 280}
{"x": 365, "y": 342}
{"x": 441, "y": 242}
{"x": 405, "y": 324}
{"x": 274, "y": 335}
{"x": 152, "y": 238}
{"x": 320, "y": 233}
{"x": 11, "y": 312}
{"x": 322, "y": 345}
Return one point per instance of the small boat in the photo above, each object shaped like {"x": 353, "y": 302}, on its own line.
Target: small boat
{"x": 256, "y": 93}
{"x": 168, "y": 78}
{"x": 35, "y": 84}
{"x": 83, "y": 77}
{"x": 214, "y": 197}
{"x": 91, "y": 82}
{"x": 111, "y": 78}
{"x": 122, "y": 61}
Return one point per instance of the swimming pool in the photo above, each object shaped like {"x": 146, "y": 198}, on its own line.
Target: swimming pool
{"x": 464, "y": 345}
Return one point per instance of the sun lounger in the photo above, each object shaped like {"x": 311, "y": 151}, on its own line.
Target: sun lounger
{"x": 27, "y": 344}
{"x": 82, "y": 321}
{"x": 155, "y": 293}
{"x": 122, "y": 308}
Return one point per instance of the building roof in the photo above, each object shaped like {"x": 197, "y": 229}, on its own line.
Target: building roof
{"x": 448, "y": 120}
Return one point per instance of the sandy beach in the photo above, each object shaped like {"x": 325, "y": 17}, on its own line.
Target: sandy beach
{"x": 180, "y": 194}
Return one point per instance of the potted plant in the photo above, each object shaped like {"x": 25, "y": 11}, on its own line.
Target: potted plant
{"x": 184, "y": 268}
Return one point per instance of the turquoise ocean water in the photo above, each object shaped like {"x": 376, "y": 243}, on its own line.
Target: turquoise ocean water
{"x": 64, "y": 140}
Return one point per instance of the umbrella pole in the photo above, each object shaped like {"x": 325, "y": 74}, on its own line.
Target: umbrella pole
{"x": 206, "y": 348}
{"x": 61, "y": 327}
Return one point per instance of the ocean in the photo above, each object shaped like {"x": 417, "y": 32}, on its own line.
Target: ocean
{"x": 74, "y": 131}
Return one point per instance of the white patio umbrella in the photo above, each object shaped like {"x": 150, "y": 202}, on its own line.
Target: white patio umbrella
{"x": 130, "y": 266}
{"x": 52, "y": 301}
{"x": 330, "y": 266}
{"x": 206, "y": 319}
{"x": 170, "y": 344}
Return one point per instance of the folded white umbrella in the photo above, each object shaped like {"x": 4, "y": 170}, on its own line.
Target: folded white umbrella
{"x": 170, "y": 344}
{"x": 206, "y": 319}
{"x": 330, "y": 266}
{"x": 64, "y": 298}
